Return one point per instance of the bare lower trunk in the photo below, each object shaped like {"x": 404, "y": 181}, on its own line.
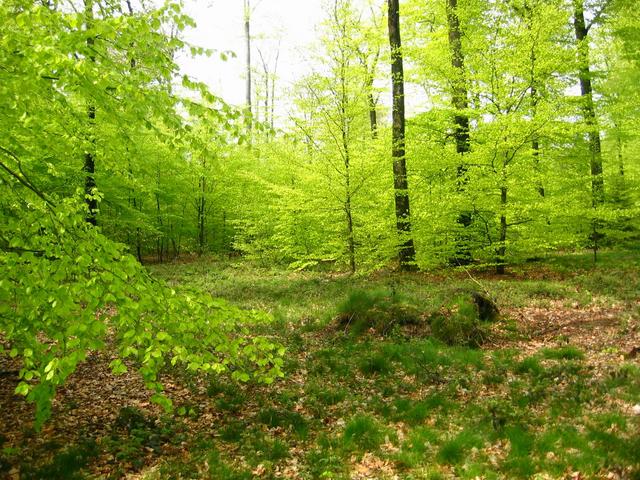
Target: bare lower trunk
{"x": 588, "y": 107}
{"x": 89, "y": 166}
{"x": 459, "y": 99}
{"x": 247, "y": 38}
{"x": 407, "y": 253}
{"x": 502, "y": 245}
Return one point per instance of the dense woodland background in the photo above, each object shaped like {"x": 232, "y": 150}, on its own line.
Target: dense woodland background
{"x": 521, "y": 142}
{"x": 527, "y": 144}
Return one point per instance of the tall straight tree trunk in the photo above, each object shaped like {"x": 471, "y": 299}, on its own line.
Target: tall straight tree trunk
{"x": 535, "y": 97}
{"x": 373, "y": 111}
{"x": 345, "y": 128}
{"x": 589, "y": 112}
{"x": 89, "y": 166}
{"x": 201, "y": 209}
{"x": 351, "y": 241}
{"x": 369, "y": 85}
{"x": 459, "y": 83}
{"x": 460, "y": 101}
{"x": 247, "y": 38}
{"x": 272, "y": 121}
{"x": 407, "y": 252}
{"x": 588, "y": 108}
{"x": 535, "y": 141}
{"x": 501, "y": 251}
{"x": 620, "y": 152}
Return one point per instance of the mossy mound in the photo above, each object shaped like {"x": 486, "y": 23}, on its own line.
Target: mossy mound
{"x": 377, "y": 311}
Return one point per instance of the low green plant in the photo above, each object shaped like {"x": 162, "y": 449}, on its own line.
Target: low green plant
{"x": 273, "y": 418}
{"x": 563, "y": 353}
{"x": 459, "y": 324}
{"x": 454, "y": 450}
{"x": 363, "y": 432}
{"x": 375, "y": 364}
{"x": 232, "y": 431}
{"x": 377, "y": 310}
{"x": 530, "y": 365}
{"x": 65, "y": 465}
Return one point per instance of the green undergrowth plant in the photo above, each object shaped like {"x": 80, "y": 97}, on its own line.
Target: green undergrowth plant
{"x": 66, "y": 464}
{"x": 363, "y": 432}
{"x": 428, "y": 408}
{"x": 460, "y": 324}
{"x": 288, "y": 420}
{"x": 66, "y": 289}
{"x": 377, "y": 310}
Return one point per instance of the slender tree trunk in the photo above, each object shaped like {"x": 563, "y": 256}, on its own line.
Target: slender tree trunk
{"x": 345, "y": 127}
{"x": 138, "y": 232}
{"x": 269, "y": 89}
{"x": 620, "y": 153}
{"x": 589, "y": 112}
{"x": 535, "y": 141}
{"x": 371, "y": 97}
{"x": 460, "y": 101}
{"x": 273, "y": 90}
{"x": 373, "y": 111}
{"x": 501, "y": 250}
{"x": 160, "y": 242}
{"x": 89, "y": 166}
{"x": 534, "y": 95}
{"x": 201, "y": 209}
{"x": 247, "y": 37}
{"x": 588, "y": 107}
{"x": 351, "y": 243}
{"x": 459, "y": 83}
{"x": 407, "y": 253}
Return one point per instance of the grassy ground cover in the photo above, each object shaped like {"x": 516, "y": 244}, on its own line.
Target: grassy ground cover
{"x": 550, "y": 393}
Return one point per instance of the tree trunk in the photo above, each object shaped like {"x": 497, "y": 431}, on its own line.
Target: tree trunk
{"x": 201, "y": 209}
{"x": 89, "y": 166}
{"x": 371, "y": 98}
{"x": 247, "y": 37}
{"x": 588, "y": 108}
{"x": 459, "y": 83}
{"x": 502, "y": 245}
{"x": 351, "y": 243}
{"x": 407, "y": 253}
{"x": 534, "y": 94}
{"x": 373, "y": 112}
{"x": 345, "y": 127}
{"x": 160, "y": 241}
{"x": 459, "y": 99}
{"x": 620, "y": 154}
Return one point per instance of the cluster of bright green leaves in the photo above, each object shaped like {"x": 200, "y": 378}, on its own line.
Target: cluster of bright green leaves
{"x": 521, "y": 69}
{"x": 66, "y": 289}
{"x": 304, "y": 184}
{"x": 508, "y": 46}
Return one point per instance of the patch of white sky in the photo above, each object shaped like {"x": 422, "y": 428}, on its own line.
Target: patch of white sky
{"x": 286, "y": 29}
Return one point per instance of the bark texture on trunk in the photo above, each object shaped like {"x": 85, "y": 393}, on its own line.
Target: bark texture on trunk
{"x": 534, "y": 95}
{"x": 459, "y": 83}
{"x": 247, "y": 38}
{"x": 588, "y": 106}
{"x": 89, "y": 166}
{"x": 460, "y": 102}
{"x": 407, "y": 253}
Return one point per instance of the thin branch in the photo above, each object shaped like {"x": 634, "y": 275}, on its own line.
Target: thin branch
{"x": 22, "y": 178}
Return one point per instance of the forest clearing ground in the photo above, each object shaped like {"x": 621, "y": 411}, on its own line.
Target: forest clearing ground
{"x": 550, "y": 396}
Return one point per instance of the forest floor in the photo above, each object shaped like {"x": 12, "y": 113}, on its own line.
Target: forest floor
{"x": 552, "y": 394}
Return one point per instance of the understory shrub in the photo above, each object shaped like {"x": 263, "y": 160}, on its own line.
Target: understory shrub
{"x": 377, "y": 310}
{"x": 460, "y": 324}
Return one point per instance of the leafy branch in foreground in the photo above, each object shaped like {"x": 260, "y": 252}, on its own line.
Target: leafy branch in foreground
{"x": 66, "y": 290}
